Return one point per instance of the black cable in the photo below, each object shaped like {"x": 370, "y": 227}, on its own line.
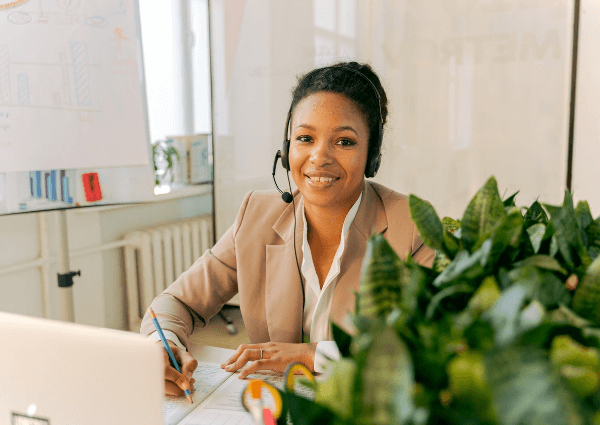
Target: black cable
{"x": 297, "y": 262}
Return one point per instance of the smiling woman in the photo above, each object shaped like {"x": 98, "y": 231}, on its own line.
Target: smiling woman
{"x": 291, "y": 288}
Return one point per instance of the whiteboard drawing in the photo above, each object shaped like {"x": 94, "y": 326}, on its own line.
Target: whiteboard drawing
{"x": 4, "y": 124}
{"x": 19, "y": 18}
{"x": 11, "y": 4}
{"x": 4, "y": 75}
{"x": 73, "y": 68}
{"x": 66, "y": 84}
{"x": 119, "y": 37}
{"x": 68, "y": 5}
{"x": 96, "y": 22}
{"x": 81, "y": 73}
{"x": 23, "y": 89}
{"x": 122, "y": 8}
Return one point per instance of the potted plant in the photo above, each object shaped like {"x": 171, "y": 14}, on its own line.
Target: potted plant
{"x": 503, "y": 329}
{"x": 162, "y": 154}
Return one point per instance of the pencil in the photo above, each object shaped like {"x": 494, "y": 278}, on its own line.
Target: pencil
{"x": 166, "y": 345}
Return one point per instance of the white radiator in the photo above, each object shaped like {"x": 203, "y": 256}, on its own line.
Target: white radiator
{"x": 155, "y": 257}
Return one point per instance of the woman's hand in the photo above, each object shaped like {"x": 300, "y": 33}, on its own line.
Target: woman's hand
{"x": 175, "y": 382}
{"x": 275, "y": 356}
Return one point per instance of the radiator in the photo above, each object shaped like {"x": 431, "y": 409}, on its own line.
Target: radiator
{"x": 155, "y": 257}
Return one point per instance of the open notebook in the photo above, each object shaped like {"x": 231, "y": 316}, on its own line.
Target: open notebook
{"x": 217, "y": 398}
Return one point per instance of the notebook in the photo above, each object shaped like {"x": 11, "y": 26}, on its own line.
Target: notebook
{"x": 57, "y": 373}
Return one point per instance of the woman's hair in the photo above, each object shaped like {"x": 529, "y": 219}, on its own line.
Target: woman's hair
{"x": 337, "y": 78}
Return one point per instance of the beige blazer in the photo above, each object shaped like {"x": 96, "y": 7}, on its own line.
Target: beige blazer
{"x": 255, "y": 258}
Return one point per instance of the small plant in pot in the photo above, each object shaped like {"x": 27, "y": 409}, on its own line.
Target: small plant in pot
{"x": 503, "y": 329}
{"x": 163, "y": 154}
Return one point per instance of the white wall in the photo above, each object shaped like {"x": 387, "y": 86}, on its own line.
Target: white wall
{"x": 586, "y": 161}
{"x": 476, "y": 88}
{"x": 99, "y": 294}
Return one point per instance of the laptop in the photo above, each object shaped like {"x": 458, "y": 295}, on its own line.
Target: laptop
{"x": 57, "y": 373}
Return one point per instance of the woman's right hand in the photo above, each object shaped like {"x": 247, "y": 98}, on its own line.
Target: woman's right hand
{"x": 175, "y": 382}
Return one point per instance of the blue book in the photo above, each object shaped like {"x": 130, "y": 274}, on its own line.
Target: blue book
{"x": 65, "y": 187}
{"x": 63, "y": 197}
{"x": 38, "y": 184}
{"x": 47, "y": 188}
{"x": 53, "y": 185}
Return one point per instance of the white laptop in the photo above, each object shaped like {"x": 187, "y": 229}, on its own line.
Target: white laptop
{"x": 56, "y": 373}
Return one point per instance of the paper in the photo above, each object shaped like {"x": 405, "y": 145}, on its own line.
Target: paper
{"x": 218, "y": 397}
{"x": 209, "y": 376}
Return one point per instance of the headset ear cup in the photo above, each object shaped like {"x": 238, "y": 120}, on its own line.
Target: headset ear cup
{"x": 373, "y": 166}
{"x": 285, "y": 152}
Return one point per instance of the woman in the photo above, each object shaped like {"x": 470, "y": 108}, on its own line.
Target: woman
{"x": 296, "y": 266}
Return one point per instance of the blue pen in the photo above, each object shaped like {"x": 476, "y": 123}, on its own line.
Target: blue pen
{"x": 166, "y": 344}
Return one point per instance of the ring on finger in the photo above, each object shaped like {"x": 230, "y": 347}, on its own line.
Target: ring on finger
{"x": 261, "y": 354}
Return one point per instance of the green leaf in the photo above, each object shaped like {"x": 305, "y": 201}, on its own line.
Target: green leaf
{"x": 527, "y": 390}
{"x": 342, "y": 339}
{"x": 583, "y": 215}
{"x": 430, "y": 227}
{"x": 536, "y": 235}
{"x": 465, "y": 265}
{"x": 551, "y": 291}
{"x": 542, "y": 262}
{"x": 510, "y": 201}
{"x": 412, "y": 291}
{"x": 567, "y": 235}
{"x": 306, "y": 412}
{"x": 336, "y": 392}
{"x": 484, "y": 212}
{"x": 387, "y": 381}
{"x": 536, "y": 213}
{"x": 383, "y": 275}
{"x": 506, "y": 234}
{"x": 450, "y": 224}
{"x": 564, "y": 315}
{"x": 586, "y": 300}
{"x": 440, "y": 261}
{"x": 504, "y": 314}
{"x": 444, "y": 293}
{"x": 486, "y": 295}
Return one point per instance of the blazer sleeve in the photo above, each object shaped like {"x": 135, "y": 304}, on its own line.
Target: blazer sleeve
{"x": 200, "y": 292}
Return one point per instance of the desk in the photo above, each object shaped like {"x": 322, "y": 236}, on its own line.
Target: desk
{"x": 205, "y": 353}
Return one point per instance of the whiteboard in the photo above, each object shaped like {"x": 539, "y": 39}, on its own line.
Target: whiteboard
{"x": 71, "y": 85}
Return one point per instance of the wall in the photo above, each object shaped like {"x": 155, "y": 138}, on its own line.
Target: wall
{"x": 476, "y": 88}
{"x": 99, "y": 294}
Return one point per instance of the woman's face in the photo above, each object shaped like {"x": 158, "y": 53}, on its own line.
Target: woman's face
{"x": 328, "y": 149}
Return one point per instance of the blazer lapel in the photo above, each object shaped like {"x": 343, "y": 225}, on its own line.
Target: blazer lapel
{"x": 370, "y": 219}
{"x": 283, "y": 291}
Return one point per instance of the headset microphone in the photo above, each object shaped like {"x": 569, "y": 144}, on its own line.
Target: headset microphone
{"x": 286, "y": 196}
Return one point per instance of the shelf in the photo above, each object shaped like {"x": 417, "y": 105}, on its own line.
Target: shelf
{"x": 176, "y": 192}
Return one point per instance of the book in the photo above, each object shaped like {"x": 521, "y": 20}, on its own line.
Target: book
{"x": 218, "y": 397}
{"x": 195, "y": 159}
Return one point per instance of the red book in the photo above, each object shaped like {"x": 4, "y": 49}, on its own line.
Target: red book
{"x": 91, "y": 185}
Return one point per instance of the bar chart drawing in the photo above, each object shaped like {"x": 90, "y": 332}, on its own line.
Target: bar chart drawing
{"x": 66, "y": 86}
{"x": 81, "y": 73}
{"x": 4, "y": 75}
{"x": 23, "y": 89}
{"x": 51, "y": 185}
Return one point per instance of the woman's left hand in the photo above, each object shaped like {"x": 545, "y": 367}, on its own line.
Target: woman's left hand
{"x": 275, "y": 356}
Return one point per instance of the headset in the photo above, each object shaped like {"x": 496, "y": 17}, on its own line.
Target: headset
{"x": 373, "y": 163}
